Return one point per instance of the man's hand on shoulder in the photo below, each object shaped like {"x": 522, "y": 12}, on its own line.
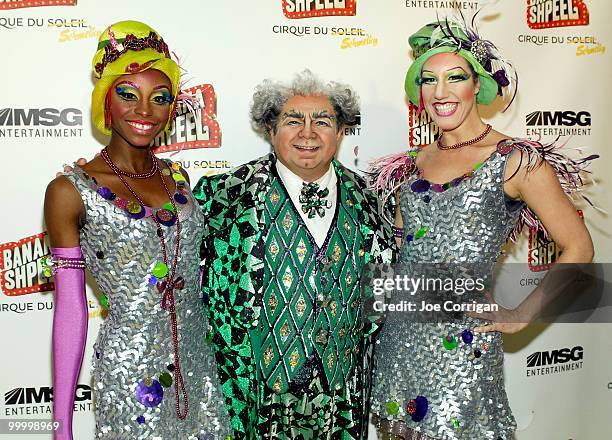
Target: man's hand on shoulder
{"x": 67, "y": 168}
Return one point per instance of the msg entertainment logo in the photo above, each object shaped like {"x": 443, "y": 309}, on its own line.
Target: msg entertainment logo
{"x": 555, "y": 361}
{"x": 37, "y": 400}
{"x": 558, "y": 123}
{"x": 48, "y": 117}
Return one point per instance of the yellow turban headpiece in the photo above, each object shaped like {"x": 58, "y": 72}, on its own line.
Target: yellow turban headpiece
{"x": 125, "y": 48}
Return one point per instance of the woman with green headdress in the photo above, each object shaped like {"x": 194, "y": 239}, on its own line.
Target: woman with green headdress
{"x": 131, "y": 219}
{"x": 439, "y": 373}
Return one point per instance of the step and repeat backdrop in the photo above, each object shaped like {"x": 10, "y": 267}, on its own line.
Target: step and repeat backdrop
{"x": 558, "y": 377}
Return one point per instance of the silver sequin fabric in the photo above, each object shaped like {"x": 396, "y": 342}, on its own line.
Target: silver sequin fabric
{"x": 466, "y": 227}
{"x": 135, "y": 341}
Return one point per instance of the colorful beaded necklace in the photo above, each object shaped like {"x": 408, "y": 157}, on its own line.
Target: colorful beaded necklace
{"x": 165, "y": 287}
{"x": 134, "y": 209}
{"x": 421, "y": 185}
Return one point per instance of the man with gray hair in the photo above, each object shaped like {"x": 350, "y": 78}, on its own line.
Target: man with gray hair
{"x": 287, "y": 238}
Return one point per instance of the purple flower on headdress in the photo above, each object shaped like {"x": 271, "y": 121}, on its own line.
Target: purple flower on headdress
{"x": 501, "y": 79}
{"x": 487, "y": 65}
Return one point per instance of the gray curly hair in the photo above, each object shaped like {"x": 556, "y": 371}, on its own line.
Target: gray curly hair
{"x": 270, "y": 96}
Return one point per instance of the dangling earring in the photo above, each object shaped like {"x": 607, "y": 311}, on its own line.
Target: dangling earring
{"x": 107, "y": 114}
{"x": 172, "y": 117}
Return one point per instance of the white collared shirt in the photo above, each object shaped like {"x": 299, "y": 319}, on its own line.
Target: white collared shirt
{"x": 317, "y": 226}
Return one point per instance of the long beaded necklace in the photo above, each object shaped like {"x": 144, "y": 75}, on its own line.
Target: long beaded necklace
{"x": 478, "y": 138}
{"x": 166, "y": 288}
{"x": 119, "y": 172}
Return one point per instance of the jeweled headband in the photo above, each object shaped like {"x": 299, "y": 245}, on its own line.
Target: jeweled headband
{"x": 114, "y": 48}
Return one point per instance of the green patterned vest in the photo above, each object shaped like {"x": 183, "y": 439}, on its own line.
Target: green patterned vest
{"x": 310, "y": 325}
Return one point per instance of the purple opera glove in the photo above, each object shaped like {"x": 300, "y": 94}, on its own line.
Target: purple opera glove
{"x": 69, "y": 332}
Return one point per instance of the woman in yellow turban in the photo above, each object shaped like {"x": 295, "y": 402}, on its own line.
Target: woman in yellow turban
{"x": 131, "y": 219}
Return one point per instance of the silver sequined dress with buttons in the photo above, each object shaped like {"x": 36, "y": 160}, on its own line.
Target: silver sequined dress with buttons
{"x": 466, "y": 227}
{"x": 135, "y": 343}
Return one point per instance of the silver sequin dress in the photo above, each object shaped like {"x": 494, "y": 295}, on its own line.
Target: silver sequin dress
{"x": 133, "y": 355}
{"x": 457, "y": 389}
